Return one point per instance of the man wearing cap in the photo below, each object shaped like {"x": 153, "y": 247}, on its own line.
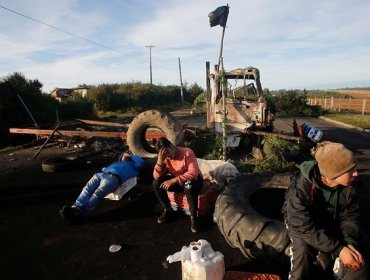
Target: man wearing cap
{"x": 321, "y": 213}
{"x": 101, "y": 184}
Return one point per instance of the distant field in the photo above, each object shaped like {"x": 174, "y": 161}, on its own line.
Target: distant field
{"x": 355, "y": 93}
{"x": 359, "y": 102}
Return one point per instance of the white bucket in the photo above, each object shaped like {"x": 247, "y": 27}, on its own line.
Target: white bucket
{"x": 204, "y": 263}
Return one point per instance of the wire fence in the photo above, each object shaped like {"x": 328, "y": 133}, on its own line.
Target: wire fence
{"x": 342, "y": 104}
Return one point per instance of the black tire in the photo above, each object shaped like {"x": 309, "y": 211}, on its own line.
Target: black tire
{"x": 256, "y": 235}
{"x": 56, "y": 164}
{"x": 153, "y": 118}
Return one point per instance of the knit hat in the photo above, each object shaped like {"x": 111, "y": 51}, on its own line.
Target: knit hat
{"x": 334, "y": 159}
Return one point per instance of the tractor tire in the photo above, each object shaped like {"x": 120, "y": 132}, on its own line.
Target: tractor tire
{"x": 256, "y": 235}
{"x": 152, "y": 118}
{"x": 55, "y": 164}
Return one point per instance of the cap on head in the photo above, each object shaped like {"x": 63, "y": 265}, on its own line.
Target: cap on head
{"x": 334, "y": 159}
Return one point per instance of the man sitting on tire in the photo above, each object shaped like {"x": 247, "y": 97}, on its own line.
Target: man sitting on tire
{"x": 102, "y": 184}
{"x": 321, "y": 213}
{"x": 176, "y": 170}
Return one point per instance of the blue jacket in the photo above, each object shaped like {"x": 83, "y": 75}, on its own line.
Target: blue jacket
{"x": 125, "y": 169}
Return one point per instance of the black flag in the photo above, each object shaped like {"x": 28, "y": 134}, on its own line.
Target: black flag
{"x": 219, "y": 16}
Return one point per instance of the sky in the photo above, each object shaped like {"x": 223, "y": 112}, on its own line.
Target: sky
{"x": 295, "y": 44}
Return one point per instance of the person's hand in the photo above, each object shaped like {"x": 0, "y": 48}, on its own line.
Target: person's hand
{"x": 359, "y": 258}
{"x": 167, "y": 184}
{"x": 161, "y": 156}
{"x": 350, "y": 257}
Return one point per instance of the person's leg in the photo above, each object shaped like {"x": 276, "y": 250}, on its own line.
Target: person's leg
{"x": 163, "y": 200}
{"x": 90, "y": 187}
{"x": 161, "y": 193}
{"x": 302, "y": 257}
{"x": 191, "y": 190}
{"x": 108, "y": 184}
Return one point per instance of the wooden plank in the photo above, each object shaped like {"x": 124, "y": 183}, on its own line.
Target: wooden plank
{"x": 92, "y": 122}
{"x": 82, "y": 133}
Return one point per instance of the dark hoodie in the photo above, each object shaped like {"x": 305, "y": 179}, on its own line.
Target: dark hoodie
{"x": 325, "y": 218}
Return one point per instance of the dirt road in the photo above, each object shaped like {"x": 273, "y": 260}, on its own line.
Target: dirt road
{"x": 36, "y": 244}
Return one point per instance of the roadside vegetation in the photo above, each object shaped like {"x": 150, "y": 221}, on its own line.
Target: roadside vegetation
{"x": 362, "y": 121}
{"x": 121, "y": 102}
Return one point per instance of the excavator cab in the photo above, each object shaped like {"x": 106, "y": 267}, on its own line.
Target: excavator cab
{"x": 244, "y": 106}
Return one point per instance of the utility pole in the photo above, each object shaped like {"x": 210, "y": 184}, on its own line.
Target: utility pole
{"x": 182, "y": 90}
{"x": 150, "y": 57}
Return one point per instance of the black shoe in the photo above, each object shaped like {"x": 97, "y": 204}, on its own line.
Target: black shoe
{"x": 62, "y": 213}
{"x": 194, "y": 224}
{"x": 166, "y": 216}
{"x": 72, "y": 215}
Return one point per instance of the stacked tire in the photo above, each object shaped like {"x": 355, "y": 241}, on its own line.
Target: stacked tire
{"x": 257, "y": 236}
{"x": 136, "y": 138}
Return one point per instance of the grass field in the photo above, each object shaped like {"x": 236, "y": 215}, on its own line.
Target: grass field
{"x": 362, "y": 121}
{"x": 355, "y": 93}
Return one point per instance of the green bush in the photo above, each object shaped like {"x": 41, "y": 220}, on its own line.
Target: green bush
{"x": 293, "y": 103}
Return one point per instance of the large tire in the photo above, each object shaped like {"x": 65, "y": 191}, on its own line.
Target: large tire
{"x": 55, "y": 164}
{"x": 153, "y": 118}
{"x": 256, "y": 235}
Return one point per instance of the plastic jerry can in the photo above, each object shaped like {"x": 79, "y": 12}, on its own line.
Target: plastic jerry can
{"x": 204, "y": 264}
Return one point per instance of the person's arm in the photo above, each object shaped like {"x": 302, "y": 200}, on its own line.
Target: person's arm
{"x": 350, "y": 217}
{"x": 160, "y": 168}
{"x": 349, "y": 225}
{"x": 299, "y": 219}
{"x": 192, "y": 171}
{"x": 138, "y": 161}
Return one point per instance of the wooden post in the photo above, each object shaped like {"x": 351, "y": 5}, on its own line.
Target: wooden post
{"x": 332, "y": 106}
{"x": 221, "y": 64}
{"x": 224, "y": 113}
{"x": 181, "y": 85}
{"x": 325, "y": 103}
{"x": 349, "y": 103}
{"x": 339, "y": 101}
{"x": 363, "y": 106}
{"x": 209, "y": 94}
{"x": 221, "y": 48}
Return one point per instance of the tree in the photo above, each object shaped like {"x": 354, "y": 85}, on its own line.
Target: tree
{"x": 194, "y": 90}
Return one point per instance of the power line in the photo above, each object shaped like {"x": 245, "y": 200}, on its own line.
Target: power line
{"x": 69, "y": 33}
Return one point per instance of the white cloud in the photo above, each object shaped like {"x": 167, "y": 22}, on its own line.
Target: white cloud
{"x": 293, "y": 43}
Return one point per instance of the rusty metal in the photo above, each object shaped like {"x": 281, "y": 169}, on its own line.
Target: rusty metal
{"x": 47, "y": 140}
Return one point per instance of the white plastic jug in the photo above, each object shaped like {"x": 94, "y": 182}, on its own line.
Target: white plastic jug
{"x": 204, "y": 263}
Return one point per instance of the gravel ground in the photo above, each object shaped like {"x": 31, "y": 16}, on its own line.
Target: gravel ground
{"x": 20, "y": 158}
